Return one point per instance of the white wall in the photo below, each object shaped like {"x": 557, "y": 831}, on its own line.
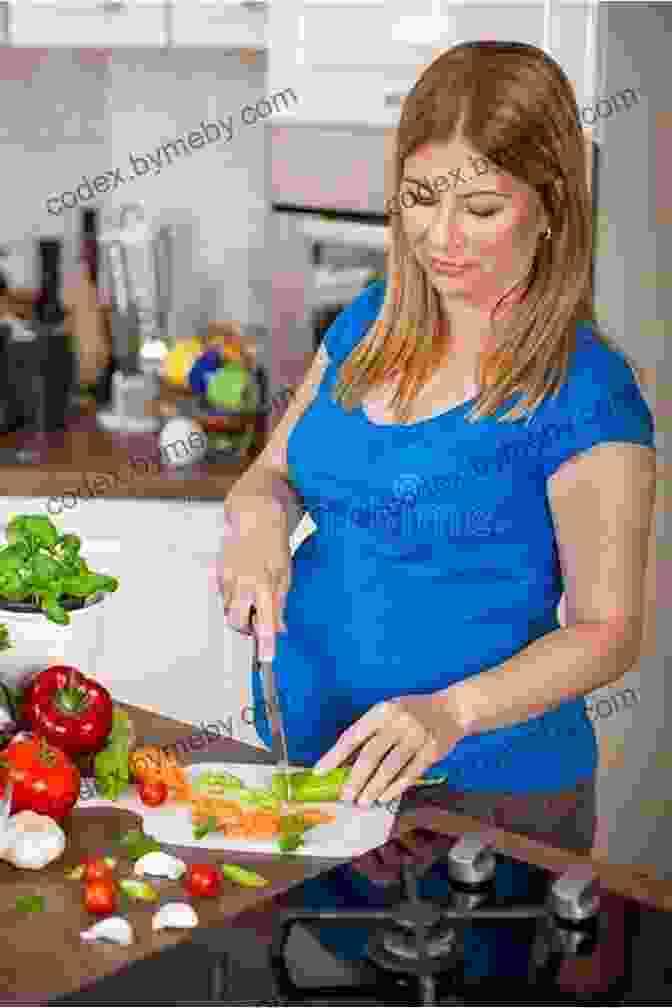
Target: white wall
{"x": 636, "y": 42}
{"x": 216, "y": 197}
{"x": 66, "y": 115}
{"x": 53, "y": 130}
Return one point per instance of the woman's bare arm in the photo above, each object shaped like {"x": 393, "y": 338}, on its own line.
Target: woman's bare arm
{"x": 264, "y": 492}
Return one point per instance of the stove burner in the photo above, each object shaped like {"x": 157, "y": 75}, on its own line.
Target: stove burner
{"x": 392, "y": 947}
{"x": 413, "y": 913}
{"x": 418, "y": 940}
{"x": 422, "y": 952}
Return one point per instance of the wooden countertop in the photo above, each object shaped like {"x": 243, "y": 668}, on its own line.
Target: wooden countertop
{"x": 42, "y": 956}
{"x": 87, "y": 462}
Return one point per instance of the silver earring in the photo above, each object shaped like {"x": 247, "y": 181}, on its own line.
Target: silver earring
{"x": 547, "y": 233}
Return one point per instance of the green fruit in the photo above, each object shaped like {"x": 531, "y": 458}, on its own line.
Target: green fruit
{"x": 226, "y": 387}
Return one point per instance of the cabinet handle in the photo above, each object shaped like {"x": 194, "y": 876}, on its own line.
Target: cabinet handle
{"x": 393, "y": 98}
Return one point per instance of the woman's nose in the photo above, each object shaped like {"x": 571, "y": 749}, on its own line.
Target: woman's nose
{"x": 445, "y": 234}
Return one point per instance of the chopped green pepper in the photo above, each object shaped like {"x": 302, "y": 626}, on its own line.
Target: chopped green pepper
{"x": 244, "y": 877}
{"x": 139, "y": 890}
{"x": 209, "y": 826}
{"x": 218, "y": 786}
{"x": 29, "y": 904}
{"x": 308, "y": 786}
{"x": 292, "y": 832}
{"x": 216, "y": 783}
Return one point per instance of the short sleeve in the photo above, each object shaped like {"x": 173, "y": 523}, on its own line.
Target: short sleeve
{"x": 599, "y": 403}
{"x": 351, "y": 325}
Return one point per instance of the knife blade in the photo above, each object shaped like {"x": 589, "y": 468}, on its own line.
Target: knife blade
{"x": 275, "y": 719}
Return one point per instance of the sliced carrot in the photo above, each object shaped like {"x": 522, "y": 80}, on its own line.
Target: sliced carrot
{"x": 260, "y": 823}
{"x": 316, "y": 817}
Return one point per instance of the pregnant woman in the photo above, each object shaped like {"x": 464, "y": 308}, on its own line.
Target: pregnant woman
{"x": 469, "y": 446}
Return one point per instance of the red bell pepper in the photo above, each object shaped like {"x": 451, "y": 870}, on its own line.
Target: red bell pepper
{"x": 68, "y": 710}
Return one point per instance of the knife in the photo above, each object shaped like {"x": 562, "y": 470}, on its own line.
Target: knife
{"x": 275, "y": 716}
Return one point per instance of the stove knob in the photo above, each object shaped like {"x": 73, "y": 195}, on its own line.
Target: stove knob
{"x": 471, "y": 860}
{"x": 465, "y": 901}
{"x": 574, "y": 895}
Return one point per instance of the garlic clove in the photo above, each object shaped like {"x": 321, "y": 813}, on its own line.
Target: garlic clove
{"x": 160, "y": 864}
{"x": 32, "y": 841}
{"x": 114, "y": 929}
{"x": 174, "y": 915}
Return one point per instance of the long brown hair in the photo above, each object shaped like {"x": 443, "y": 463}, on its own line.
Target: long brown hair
{"x": 514, "y": 105}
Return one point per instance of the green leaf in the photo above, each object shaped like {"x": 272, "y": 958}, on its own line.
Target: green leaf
{"x": 111, "y": 763}
{"x": 209, "y": 826}
{"x": 36, "y": 530}
{"x": 13, "y": 557}
{"x": 46, "y": 569}
{"x": 40, "y": 565}
{"x": 29, "y": 904}
{"x": 54, "y": 610}
{"x": 135, "y": 844}
{"x": 13, "y": 586}
{"x": 5, "y": 641}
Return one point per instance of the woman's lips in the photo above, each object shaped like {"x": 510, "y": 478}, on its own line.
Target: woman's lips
{"x": 452, "y": 268}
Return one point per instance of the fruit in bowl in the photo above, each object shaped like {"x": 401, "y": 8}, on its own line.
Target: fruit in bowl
{"x": 228, "y": 387}
{"x": 203, "y": 367}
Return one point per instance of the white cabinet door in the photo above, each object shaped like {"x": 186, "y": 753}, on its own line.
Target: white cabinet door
{"x": 218, "y": 23}
{"x": 353, "y": 61}
{"x": 87, "y": 23}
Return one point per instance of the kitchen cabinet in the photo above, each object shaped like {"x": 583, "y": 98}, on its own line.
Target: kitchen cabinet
{"x": 222, "y": 24}
{"x": 84, "y": 23}
{"x": 354, "y": 62}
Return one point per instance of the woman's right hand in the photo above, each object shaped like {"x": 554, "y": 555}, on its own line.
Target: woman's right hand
{"x": 253, "y": 570}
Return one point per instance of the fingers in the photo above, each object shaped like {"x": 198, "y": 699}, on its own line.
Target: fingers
{"x": 284, "y": 583}
{"x": 242, "y": 597}
{"x": 265, "y": 621}
{"x": 351, "y": 739}
{"x": 388, "y": 771}
{"x": 424, "y": 758}
{"x": 239, "y": 594}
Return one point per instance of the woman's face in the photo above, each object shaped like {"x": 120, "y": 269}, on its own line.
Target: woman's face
{"x": 474, "y": 229}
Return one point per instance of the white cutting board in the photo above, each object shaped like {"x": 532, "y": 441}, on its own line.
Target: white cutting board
{"x": 354, "y": 831}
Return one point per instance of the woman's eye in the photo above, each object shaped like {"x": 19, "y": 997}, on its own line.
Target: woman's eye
{"x": 484, "y": 213}
{"x": 408, "y": 199}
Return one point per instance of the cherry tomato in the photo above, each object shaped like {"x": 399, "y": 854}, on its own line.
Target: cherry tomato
{"x": 45, "y": 779}
{"x": 202, "y": 880}
{"x": 100, "y": 896}
{"x": 96, "y": 869}
{"x": 152, "y": 791}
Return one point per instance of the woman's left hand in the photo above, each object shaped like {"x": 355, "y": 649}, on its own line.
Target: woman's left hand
{"x": 406, "y": 735}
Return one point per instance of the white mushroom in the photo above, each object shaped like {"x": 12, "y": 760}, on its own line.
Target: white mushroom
{"x": 31, "y": 840}
{"x": 114, "y": 929}
{"x": 160, "y": 864}
{"x": 174, "y": 915}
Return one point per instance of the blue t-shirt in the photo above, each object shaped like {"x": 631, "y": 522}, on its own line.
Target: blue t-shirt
{"x": 435, "y": 558}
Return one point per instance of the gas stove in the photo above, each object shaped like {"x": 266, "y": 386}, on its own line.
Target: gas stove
{"x": 431, "y": 919}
